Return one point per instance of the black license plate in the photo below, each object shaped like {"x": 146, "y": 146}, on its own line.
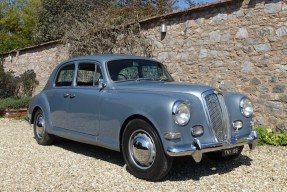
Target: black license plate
{"x": 232, "y": 151}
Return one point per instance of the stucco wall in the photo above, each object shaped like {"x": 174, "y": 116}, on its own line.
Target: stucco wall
{"x": 238, "y": 45}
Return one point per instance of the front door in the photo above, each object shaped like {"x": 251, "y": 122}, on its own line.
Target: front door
{"x": 83, "y": 113}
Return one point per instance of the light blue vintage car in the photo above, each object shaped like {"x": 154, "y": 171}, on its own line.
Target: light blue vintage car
{"x": 131, "y": 104}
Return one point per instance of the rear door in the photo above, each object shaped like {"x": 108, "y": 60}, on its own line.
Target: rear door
{"x": 59, "y": 96}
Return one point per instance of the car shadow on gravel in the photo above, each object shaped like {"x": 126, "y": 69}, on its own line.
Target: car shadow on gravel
{"x": 90, "y": 151}
{"x": 185, "y": 168}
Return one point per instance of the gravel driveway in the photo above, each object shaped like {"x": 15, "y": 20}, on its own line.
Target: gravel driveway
{"x": 71, "y": 166}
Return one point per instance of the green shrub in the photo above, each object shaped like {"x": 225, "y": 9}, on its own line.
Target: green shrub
{"x": 8, "y": 82}
{"x": 16, "y": 86}
{"x": 14, "y": 103}
{"x": 27, "y": 82}
{"x": 267, "y": 137}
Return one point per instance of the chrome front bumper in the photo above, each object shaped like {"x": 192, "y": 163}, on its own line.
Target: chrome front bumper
{"x": 197, "y": 149}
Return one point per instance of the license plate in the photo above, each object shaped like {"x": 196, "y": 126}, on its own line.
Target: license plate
{"x": 228, "y": 152}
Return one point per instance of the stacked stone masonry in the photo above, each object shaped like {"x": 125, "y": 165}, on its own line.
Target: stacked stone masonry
{"x": 42, "y": 59}
{"x": 238, "y": 45}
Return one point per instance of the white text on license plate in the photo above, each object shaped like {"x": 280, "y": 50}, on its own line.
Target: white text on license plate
{"x": 228, "y": 152}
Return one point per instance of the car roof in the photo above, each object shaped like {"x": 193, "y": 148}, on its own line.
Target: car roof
{"x": 105, "y": 58}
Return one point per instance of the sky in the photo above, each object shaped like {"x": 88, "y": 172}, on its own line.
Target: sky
{"x": 183, "y": 5}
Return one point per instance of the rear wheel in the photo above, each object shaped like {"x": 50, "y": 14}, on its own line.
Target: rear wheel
{"x": 143, "y": 151}
{"x": 41, "y": 136}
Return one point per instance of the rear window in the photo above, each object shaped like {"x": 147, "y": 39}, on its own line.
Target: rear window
{"x": 65, "y": 76}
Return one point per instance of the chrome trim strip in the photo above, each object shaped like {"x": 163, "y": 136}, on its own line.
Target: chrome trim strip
{"x": 204, "y": 94}
{"x": 172, "y": 136}
{"x": 196, "y": 150}
{"x": 226, "y": 118}
{"x": 181, "y": 151}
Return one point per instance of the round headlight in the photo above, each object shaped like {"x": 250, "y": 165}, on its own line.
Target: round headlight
{"x": 180, "y": 113}
{"x": 246, "y": 107}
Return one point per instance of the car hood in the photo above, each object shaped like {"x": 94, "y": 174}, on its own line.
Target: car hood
{"x": 159, "y": 86}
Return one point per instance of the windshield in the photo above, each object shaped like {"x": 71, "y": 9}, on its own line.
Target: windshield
{"x": 136, "y": 70}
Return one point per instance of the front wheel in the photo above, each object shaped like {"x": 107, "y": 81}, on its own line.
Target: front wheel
{"x": 39, "y": 127}
{"x": 143, "y": 151}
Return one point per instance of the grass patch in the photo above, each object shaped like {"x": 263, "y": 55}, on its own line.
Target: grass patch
{"x": 20, "y": 118}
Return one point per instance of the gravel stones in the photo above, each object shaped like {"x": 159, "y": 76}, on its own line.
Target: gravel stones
{"x": 71, "y": 166}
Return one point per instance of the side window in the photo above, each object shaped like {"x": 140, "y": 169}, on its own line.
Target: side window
{"x": 65, "y": 76}
{"x": 128, "y": 73}
{"x": 88, "y": 74}
{"x": 151, "y": 72}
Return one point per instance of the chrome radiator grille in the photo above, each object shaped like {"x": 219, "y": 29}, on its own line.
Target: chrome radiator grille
{"x": 216, "y": 117}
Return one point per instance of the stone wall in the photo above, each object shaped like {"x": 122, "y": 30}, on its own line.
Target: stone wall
{"x": 42, "y": 59}
{"x": 235, "y": 45}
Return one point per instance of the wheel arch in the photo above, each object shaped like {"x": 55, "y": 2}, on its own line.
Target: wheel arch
{"x": 133, "y": 117}
{"x": 46, "y": 115}
{"x": 34, "y": 112}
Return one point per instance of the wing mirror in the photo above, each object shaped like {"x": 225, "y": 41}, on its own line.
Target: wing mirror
{"x": 102, "y": 84}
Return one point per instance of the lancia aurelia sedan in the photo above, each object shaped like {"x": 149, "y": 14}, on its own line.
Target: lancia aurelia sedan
{"x": 131, "y": 104}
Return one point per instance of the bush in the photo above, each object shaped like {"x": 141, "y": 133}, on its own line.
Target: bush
{"x": 27, "y": 83}
{"x": 8, "y": 83}
{"x": 12, "y": 86}
{"x": 14, "y": 103}
{"x": 267, "y": 137}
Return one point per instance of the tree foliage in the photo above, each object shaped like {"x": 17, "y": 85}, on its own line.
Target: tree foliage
{"x": 57, "y": 17}
{"x": 194, "y": 3}
{"x": 92, "y": 27}
{"x": 27, "y": 22}
{"x": 161, "y": 6}
{"x": 18, "y": 20}
{"x": 108, "y": 31}
{"x": 125, "y": 39}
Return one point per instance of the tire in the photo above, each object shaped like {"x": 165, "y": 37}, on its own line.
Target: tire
{"x": 143, "y": 151}
{"x": 40, "y": 134}
{"x": 218, "y": 155}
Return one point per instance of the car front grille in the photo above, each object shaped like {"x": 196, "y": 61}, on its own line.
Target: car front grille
{"x": 216, "y": 109}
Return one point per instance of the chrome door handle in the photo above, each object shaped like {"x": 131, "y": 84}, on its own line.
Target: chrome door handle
{"x": 72, "y": 96}
{"x": 66, "y": 95}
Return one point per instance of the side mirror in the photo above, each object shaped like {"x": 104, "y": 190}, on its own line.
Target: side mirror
{"x": 102, "y": 84}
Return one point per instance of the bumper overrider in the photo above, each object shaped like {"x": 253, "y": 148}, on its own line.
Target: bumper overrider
{"x": 197, "y": 149}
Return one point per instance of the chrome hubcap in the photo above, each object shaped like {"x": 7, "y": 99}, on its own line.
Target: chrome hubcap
{"x": 40, "y": 126}
{"x": 142, "y": 149}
